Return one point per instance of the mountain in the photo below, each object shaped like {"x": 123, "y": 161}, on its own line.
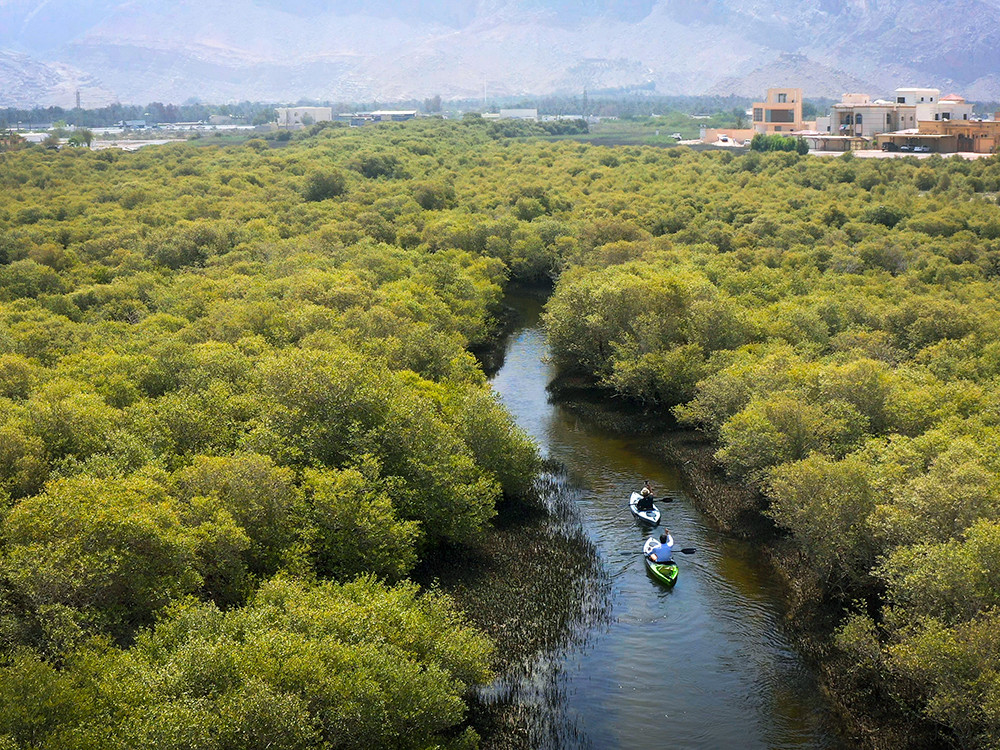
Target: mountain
{"x": 286, "y": 50}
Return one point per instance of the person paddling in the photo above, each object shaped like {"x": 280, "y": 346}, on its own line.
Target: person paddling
{"x": 664, "y": 551}
{"x": 646, "y": 501}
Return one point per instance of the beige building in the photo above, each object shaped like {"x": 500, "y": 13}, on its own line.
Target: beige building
{"x": 946, "y": 136}
{"x": 781, "y": 112}
{"x": 857, "y": 116}
{"x": 298, "y": 117}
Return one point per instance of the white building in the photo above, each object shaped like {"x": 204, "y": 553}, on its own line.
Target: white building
{"x": 930, "y": 105}
{"x": 953, "y": 107}
{"x": 297, "y": 117}
{"x": 519, "y": 114}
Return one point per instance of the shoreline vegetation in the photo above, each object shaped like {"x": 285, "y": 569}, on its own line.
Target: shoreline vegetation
{"x": 869, "y": 716}
{"x": 238, "y": 410}
{"x": 817, "y": 372}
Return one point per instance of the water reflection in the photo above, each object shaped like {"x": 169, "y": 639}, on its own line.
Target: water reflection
{"x": 629, "y": 663}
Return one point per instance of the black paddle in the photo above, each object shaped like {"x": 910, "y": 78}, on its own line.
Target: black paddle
{"x": 685, "y": 551}
{"x": 661, "y": 500}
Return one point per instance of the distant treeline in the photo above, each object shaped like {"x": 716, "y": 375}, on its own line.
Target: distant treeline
{"x": 251, "y": 113}
{"x": 608, "y": 103}
{"x": 613, "y": 104}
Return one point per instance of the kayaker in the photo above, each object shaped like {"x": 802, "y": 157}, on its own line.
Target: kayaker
{"x": 646, "y": 501}
{"x": 663, "y": 552}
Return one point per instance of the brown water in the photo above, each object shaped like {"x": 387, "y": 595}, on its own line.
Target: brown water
{"x": 707, "y": 664}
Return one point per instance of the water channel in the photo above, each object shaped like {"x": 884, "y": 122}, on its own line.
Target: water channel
{"x": 707, "y": 664}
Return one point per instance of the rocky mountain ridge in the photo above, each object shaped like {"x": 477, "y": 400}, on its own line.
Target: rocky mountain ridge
{"x": 286, "y": 50}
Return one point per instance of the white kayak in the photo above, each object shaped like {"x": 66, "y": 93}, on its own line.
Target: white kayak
{"x": 651, "y": 517}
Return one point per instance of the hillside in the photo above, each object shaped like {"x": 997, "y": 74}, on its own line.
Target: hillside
{"x": 265, "y": 50}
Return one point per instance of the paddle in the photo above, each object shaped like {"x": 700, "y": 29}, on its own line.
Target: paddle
{"x": 685, "y": 551}
{"x": 671, "y": 561}
{"x": 661, "y": 500}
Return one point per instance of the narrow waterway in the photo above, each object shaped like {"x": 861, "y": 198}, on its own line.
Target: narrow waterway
{"x": 707, "y": 664}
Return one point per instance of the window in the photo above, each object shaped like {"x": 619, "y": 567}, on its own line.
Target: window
{"x": 857, "y": 119}
{"x": 758, "y": 114}
{"x": 888, "y": 119}
{"x": 782, "y": 98}
{"x": 900, "y": 100}
{"x": 779, "y": 115}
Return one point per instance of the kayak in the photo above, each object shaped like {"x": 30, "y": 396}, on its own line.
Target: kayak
{"x": 665, "y": 573}
{"x": 651, "y": 517}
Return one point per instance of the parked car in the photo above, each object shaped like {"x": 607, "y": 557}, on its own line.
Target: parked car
{"x": 677, "y": 136}
{"x": 890, "y": 146}
{"x": 723, "y": 139}
{"x": 922, "y": 149}
{"x": 906, "y": 147}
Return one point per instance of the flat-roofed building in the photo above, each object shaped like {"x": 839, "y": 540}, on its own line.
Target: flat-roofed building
{"x": 519, "y": 114}
{"x": 912, "y": 140}
{"x": 393, "y": 115}
{"x": 781, "y": 112}
{"x": 930, "y": 105}
{"x": 830, "y": 142}
{"x": 973, "y": 136}
{"x": 953, "y": 107}
{"x": 298, "y": 117}
{"x": 914, "y": 95}
{"x": 856, "y": 115}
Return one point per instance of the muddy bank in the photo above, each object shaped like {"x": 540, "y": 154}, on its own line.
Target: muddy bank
{"x": 508, "y": 585}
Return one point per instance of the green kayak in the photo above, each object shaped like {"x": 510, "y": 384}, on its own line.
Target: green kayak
{"x": 665, "y": 573}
